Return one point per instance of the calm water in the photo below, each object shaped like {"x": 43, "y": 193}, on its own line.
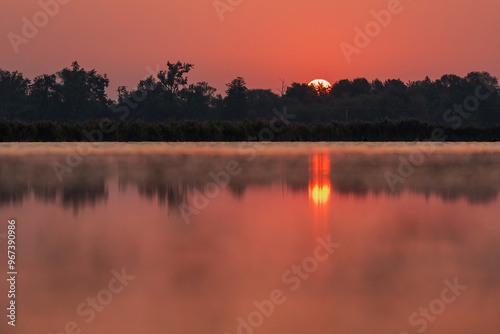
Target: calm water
{"x": 207, "y": 234}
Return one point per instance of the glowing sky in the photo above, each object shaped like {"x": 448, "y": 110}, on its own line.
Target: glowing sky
{"x": 259, "y": 40}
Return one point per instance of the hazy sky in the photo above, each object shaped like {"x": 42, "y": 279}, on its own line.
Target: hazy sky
{"x": 260, "y": 40}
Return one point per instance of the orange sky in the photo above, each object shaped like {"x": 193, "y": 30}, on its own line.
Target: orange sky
{"x": 259, "y": 40}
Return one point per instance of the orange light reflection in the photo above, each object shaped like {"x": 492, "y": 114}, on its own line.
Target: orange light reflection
{"x": 319, "y": 179}
{"x": 320, "y": 189}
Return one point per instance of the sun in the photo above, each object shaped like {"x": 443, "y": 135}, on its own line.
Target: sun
{"x": 321, "y": 86}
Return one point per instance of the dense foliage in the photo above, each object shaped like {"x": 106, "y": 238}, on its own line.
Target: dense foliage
{"x": 247, "y": 130}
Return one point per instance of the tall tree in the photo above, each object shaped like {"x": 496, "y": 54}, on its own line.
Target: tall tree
{"x": 175, "y": 78}
{"x": 198, "y": 101}
{"x": 43, "y": 96}
{"x": 13, "y": 95}
{"x": 82, "y": 93}
{"x": 301, "y": 92}
{"x": 235, "y": 102}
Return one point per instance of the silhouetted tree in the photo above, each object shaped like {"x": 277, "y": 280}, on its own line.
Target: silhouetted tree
{"x": 82, "y": 94}
{"x": 342, "y": 88}
{"x": 261, "y": 102}
{"x": 174, "y": 79}
{"x": 377, "y": 86}
{"x": 301, "y": 92}
{"x": 360, "y": 86}
{"x": 235, "y": 103}
{"x": 13, "y": 95}
{"x": 43, "y": 96}
{"x": 198, "y": 101}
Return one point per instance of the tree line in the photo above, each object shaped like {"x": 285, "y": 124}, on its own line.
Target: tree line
{"x": 76, "y": 94}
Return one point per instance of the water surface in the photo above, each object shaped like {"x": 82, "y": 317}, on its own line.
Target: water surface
{"x": 207, "y": 230}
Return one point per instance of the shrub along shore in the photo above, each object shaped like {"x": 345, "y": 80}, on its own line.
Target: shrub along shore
{"x": 232, "y": 131}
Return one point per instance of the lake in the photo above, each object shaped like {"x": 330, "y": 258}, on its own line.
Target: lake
{"x": 249, "y": 238}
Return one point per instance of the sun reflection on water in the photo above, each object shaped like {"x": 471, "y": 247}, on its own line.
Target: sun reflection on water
{"x": 320, "y": 189}
{"x": 320, "y": 186}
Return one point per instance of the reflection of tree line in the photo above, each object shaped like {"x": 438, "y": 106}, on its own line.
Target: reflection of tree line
{"x": 23, "y": 177}
{"x": 172, "y": 179}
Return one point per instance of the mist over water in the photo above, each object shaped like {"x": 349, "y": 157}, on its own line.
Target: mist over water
{"x": 204, "y": 252}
